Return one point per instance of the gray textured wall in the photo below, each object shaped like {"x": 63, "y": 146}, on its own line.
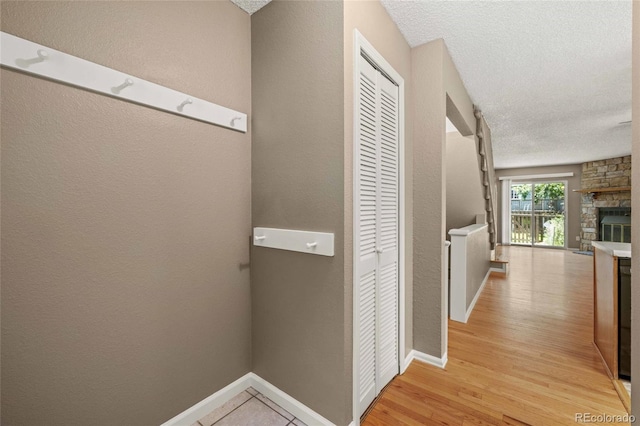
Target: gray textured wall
{"x": 464, "y": 186}
{"x": 429, "y": 197}
{"x": 573, "y": 201}
{"x": 299, "y": 319}
{"x": 438, "y": 93}
{"x": 459, "y": 104}
{"x": 478, "y": 261}
{"x": 635, "y": 338}
{"x": 124, "y": 229}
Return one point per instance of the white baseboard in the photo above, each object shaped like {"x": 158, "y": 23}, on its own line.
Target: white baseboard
{"x": 404, "y": 364}
{"x": 475, "y": 299}
{"x": 204, "y": 407}
{"x": 210, "y": 403}
{"x": 429, "y": 359}
{"x": 287, "y": 402}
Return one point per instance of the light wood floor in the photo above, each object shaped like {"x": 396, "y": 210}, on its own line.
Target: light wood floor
{"x": 524, "y": 357}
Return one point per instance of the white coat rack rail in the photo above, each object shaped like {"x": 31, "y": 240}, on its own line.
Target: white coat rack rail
{"x": 32, "y": 58}
{"x": 320, "y": 243}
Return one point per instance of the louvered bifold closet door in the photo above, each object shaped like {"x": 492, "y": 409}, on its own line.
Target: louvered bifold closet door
{"x": 376, "y": 247}
{"x": 366, "y": 202}
{"x": 387, "y": 298}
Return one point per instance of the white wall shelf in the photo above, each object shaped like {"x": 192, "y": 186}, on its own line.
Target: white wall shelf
{"x": 286, "y": 239}
{"x": 32, "y": 58}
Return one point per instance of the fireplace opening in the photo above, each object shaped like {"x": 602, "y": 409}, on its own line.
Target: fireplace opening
{"x": 615, "y": 224}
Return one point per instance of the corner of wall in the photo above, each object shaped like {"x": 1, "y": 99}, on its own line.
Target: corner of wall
{"x": 299, "y": 301}
{"x": 140, "y": 220}
{"x": 437, "y": 88}
{"x": 429, "y": 198}
{"x": 635, "y": 338}
{"x": 460, "y": 106}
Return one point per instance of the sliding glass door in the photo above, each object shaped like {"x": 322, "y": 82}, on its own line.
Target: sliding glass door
{"x": 538, "y": 214}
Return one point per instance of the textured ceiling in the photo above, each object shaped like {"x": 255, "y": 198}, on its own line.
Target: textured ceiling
{"x": 250, "y": 6}
{"x": 553, "y": 78}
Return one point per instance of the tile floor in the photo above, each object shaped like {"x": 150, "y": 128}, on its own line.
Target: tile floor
{"x": 249, "y": 408}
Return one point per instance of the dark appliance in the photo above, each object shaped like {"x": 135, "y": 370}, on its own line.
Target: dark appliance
{"x": 624, "y": 318}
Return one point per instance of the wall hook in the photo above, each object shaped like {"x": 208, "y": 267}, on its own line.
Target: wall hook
{"x": 308, "y": 242}
{"x": 233, "y": 121}
{"x": 187, "y": 101}
{"x": 54, "y": 65}
{"x": 116, "y": 90}
{"x": 24, "y": 63}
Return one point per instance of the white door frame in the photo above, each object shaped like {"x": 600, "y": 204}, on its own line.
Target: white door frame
{"x": 362, "y": 45}
{"x": 537, "y": 182}
{"x": 505, "y": 219}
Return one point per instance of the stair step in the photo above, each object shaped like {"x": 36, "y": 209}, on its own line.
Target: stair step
{"x": 500, "y": 262}
{"x": 499, "y": 267}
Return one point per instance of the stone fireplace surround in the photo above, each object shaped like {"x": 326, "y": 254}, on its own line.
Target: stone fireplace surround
{"x": 610, "y": 173}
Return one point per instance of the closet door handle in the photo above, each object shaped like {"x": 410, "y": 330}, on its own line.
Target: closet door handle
{"x": 379, "y": 250}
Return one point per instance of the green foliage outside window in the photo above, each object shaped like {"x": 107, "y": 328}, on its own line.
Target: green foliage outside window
{"x": 543, "y": 191}
{"x": 551, "y": 232}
